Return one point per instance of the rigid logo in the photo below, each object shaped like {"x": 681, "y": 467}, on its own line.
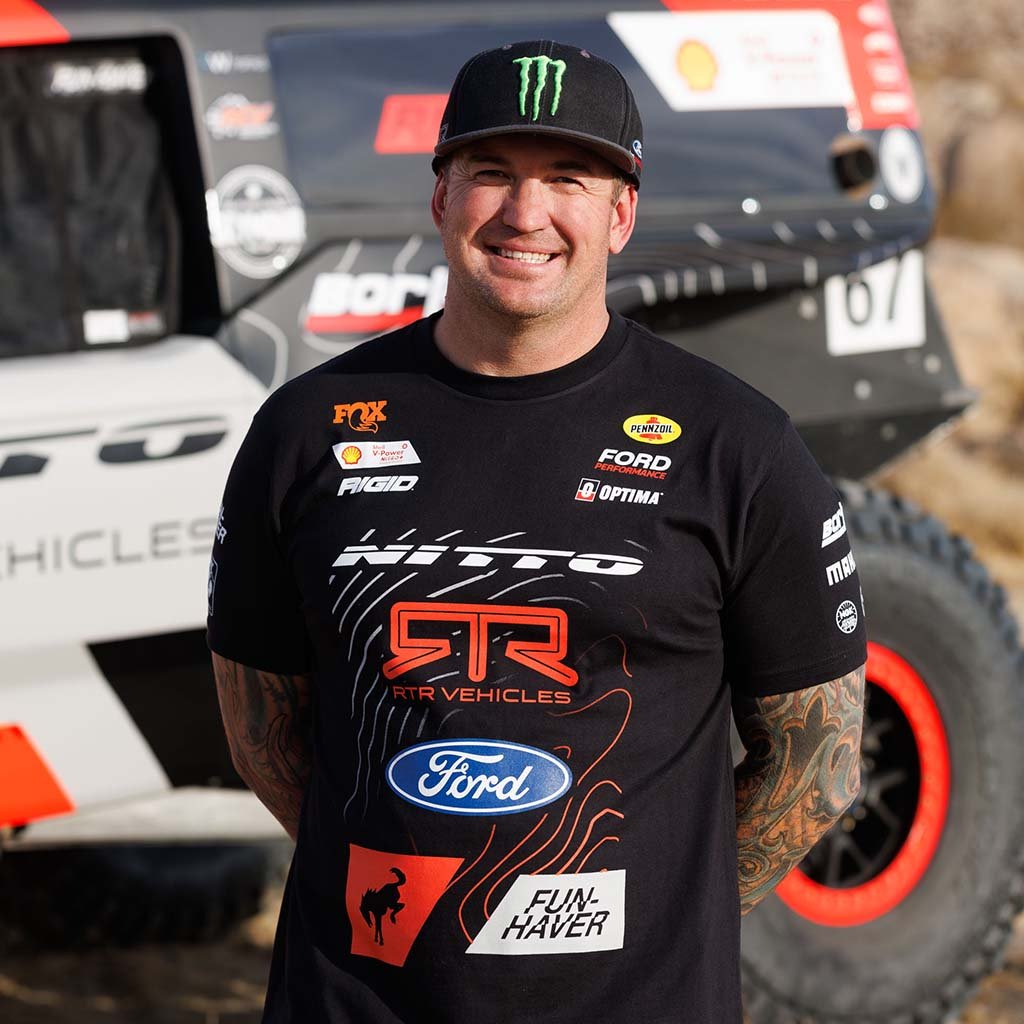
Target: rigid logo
{"x": 543, "y": 64}
{"x": 376, "y": 484}
{"x": 841, "y": 570}
{"x": 578, "y": 913}
{"x": 477, "y": 777}
{"x": 652, "y": 428}
{"x": 834, "y": 527}
{"x": 612, "y": 460}
{"x": 362, "y": 416}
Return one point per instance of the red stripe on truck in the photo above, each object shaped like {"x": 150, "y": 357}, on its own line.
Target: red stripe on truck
{"x": 24, "y": 23}
{"x": 28, "y": 789}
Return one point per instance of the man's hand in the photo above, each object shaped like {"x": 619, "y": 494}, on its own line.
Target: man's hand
{"x": 801, "y": 772}
{"x": 266, "y": 718}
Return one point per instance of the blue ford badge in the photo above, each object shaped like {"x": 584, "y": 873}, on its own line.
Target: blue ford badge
{"x": 477, "y": 776}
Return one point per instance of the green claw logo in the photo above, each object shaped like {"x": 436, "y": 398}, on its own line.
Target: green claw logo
{"x": 543, "y": 64}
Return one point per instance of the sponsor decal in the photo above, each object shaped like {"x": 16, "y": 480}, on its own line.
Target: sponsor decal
{"x": 841, "y": 570}
{"x": 651, "y": 428}
{"x": 846, "y": 617}
{"x": 901, "y": 164}
{"x": 478, "y": 695}
{"x": 233, "y": 116}
{"x": 222, "y": 530}
{"x": 537, "y": 85}
{"x": 374, "y": 454}
{"x": 211, "y": 585}
{"x": 587, "y": 489}
{"x": 578, "y": 913}
{"x": 638, "y": 150}
{"x": 256, "y": 220}
{"x": 376, "y": 484}
{"x": 834, "y": 527}
{"x": 485, "y": 555}
{"x": 696, "y": 65}
{"x": 409, "y": 123}
{"x": 224, "y": 62}
{"x": 543, "y": 656}
{"x": 804, "y": 53}
{"x": 342, "y": 303}
{"x": 635, "y": 495}
{"x": 106, "y": 77}
{"x": 477, "y": 776}
{"x": 388, "y": 898}
{"x": 362, "y": 416}
{"x": 612, "y": 460}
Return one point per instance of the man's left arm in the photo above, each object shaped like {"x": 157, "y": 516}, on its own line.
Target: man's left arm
{"x": 801, "y": 772}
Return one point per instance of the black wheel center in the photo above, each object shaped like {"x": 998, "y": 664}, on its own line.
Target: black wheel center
{"x": 871, "y": 832}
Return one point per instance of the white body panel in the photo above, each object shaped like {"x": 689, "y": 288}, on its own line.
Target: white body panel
{"x": 112, "y": 466}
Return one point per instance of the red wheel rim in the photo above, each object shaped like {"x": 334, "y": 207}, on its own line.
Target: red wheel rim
{"x": 843, "y": 908}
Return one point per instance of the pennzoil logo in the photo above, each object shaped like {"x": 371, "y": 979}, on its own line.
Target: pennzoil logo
{"x": 362, "y": 416}
{"x": 651, "y": 428}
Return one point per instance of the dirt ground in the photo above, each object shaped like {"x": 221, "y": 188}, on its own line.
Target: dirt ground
{"x": 223, "y": 983}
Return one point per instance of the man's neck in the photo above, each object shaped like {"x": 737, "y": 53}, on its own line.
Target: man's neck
{"x": 484, "y": 341}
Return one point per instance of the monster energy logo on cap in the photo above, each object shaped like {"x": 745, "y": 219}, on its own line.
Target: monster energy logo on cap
{"x": 543, "y": 64}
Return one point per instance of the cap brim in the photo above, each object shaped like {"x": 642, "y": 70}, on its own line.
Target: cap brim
{"x": 618, "y": 156}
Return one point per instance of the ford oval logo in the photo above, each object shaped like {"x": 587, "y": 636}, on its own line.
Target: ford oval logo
{"x": 477, "y": 776}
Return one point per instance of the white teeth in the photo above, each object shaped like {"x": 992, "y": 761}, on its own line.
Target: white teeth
{"x": 526, "y": 257}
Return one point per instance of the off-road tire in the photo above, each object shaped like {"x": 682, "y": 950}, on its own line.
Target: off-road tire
{"x": 927, "y": 599}
{"x": 129, "y": 895}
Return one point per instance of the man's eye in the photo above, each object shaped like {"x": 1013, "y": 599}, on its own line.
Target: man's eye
{"x": 567, "y": 180}
{"x": 490, "y": 172}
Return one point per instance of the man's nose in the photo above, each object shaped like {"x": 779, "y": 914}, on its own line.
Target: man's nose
{"x": 525, "y": 207}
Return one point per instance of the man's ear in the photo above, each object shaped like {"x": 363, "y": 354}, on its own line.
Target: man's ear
{"x": 439, "y": 198}
{"x": 623, "y": 219}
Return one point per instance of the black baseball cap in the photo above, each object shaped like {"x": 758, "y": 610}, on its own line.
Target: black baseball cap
{"x": 549, "y": 88}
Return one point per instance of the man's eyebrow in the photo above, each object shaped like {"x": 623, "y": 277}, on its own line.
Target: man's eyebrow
{"x": 577, "y": 166}
{"x": 483, "y": 157}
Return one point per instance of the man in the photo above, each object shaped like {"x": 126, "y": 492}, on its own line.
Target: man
{"x": 515, "y": 564}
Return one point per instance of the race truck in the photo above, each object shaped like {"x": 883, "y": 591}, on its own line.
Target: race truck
{"x": 202, "y": 200}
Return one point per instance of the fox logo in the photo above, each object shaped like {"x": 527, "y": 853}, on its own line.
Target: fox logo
{"x": 362, "y": 416}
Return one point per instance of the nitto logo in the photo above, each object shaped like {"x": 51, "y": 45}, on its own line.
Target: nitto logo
{"x": 543, "y": 64}
{"x": 362, "y": 416}
{"x": 478, "y": 777}
{"x": 484, "y": 555}
{"x": 364, "y": 303}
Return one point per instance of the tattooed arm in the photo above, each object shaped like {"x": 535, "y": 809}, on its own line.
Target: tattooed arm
{"x": 266, "y": 718}
{"x": 801, "y": 772}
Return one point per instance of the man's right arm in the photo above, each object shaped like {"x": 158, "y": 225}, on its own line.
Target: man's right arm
{"x": 267, "y": 722}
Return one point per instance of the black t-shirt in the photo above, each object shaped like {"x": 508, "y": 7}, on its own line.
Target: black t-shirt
{"x": 525, "y": 605}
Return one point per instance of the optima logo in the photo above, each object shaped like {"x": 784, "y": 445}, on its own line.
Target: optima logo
{"x": 373, "y": 302}
{"x": 478, "y": 777}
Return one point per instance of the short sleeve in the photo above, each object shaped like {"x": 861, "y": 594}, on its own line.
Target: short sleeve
{"x": 254, "y": 612}
{"x": 793, "y": 616}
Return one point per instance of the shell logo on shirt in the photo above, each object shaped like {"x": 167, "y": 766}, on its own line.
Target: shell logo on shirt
{"x": 652, "y": 428}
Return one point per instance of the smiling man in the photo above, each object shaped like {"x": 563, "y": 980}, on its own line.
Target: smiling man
{"x": 491, "y": 588}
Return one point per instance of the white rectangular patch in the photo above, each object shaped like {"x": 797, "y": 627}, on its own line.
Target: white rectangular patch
{"x": 879, "y": 309}
{"x": 557, "y": 914}
{"x": 739, "y": 60}
{"x": 374, "y": 454}
{"x": 100, "y": 326}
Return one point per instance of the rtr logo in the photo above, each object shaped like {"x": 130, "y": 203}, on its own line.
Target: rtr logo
{"x": 362, "y": 416}
{"x": 587, "y": 490}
